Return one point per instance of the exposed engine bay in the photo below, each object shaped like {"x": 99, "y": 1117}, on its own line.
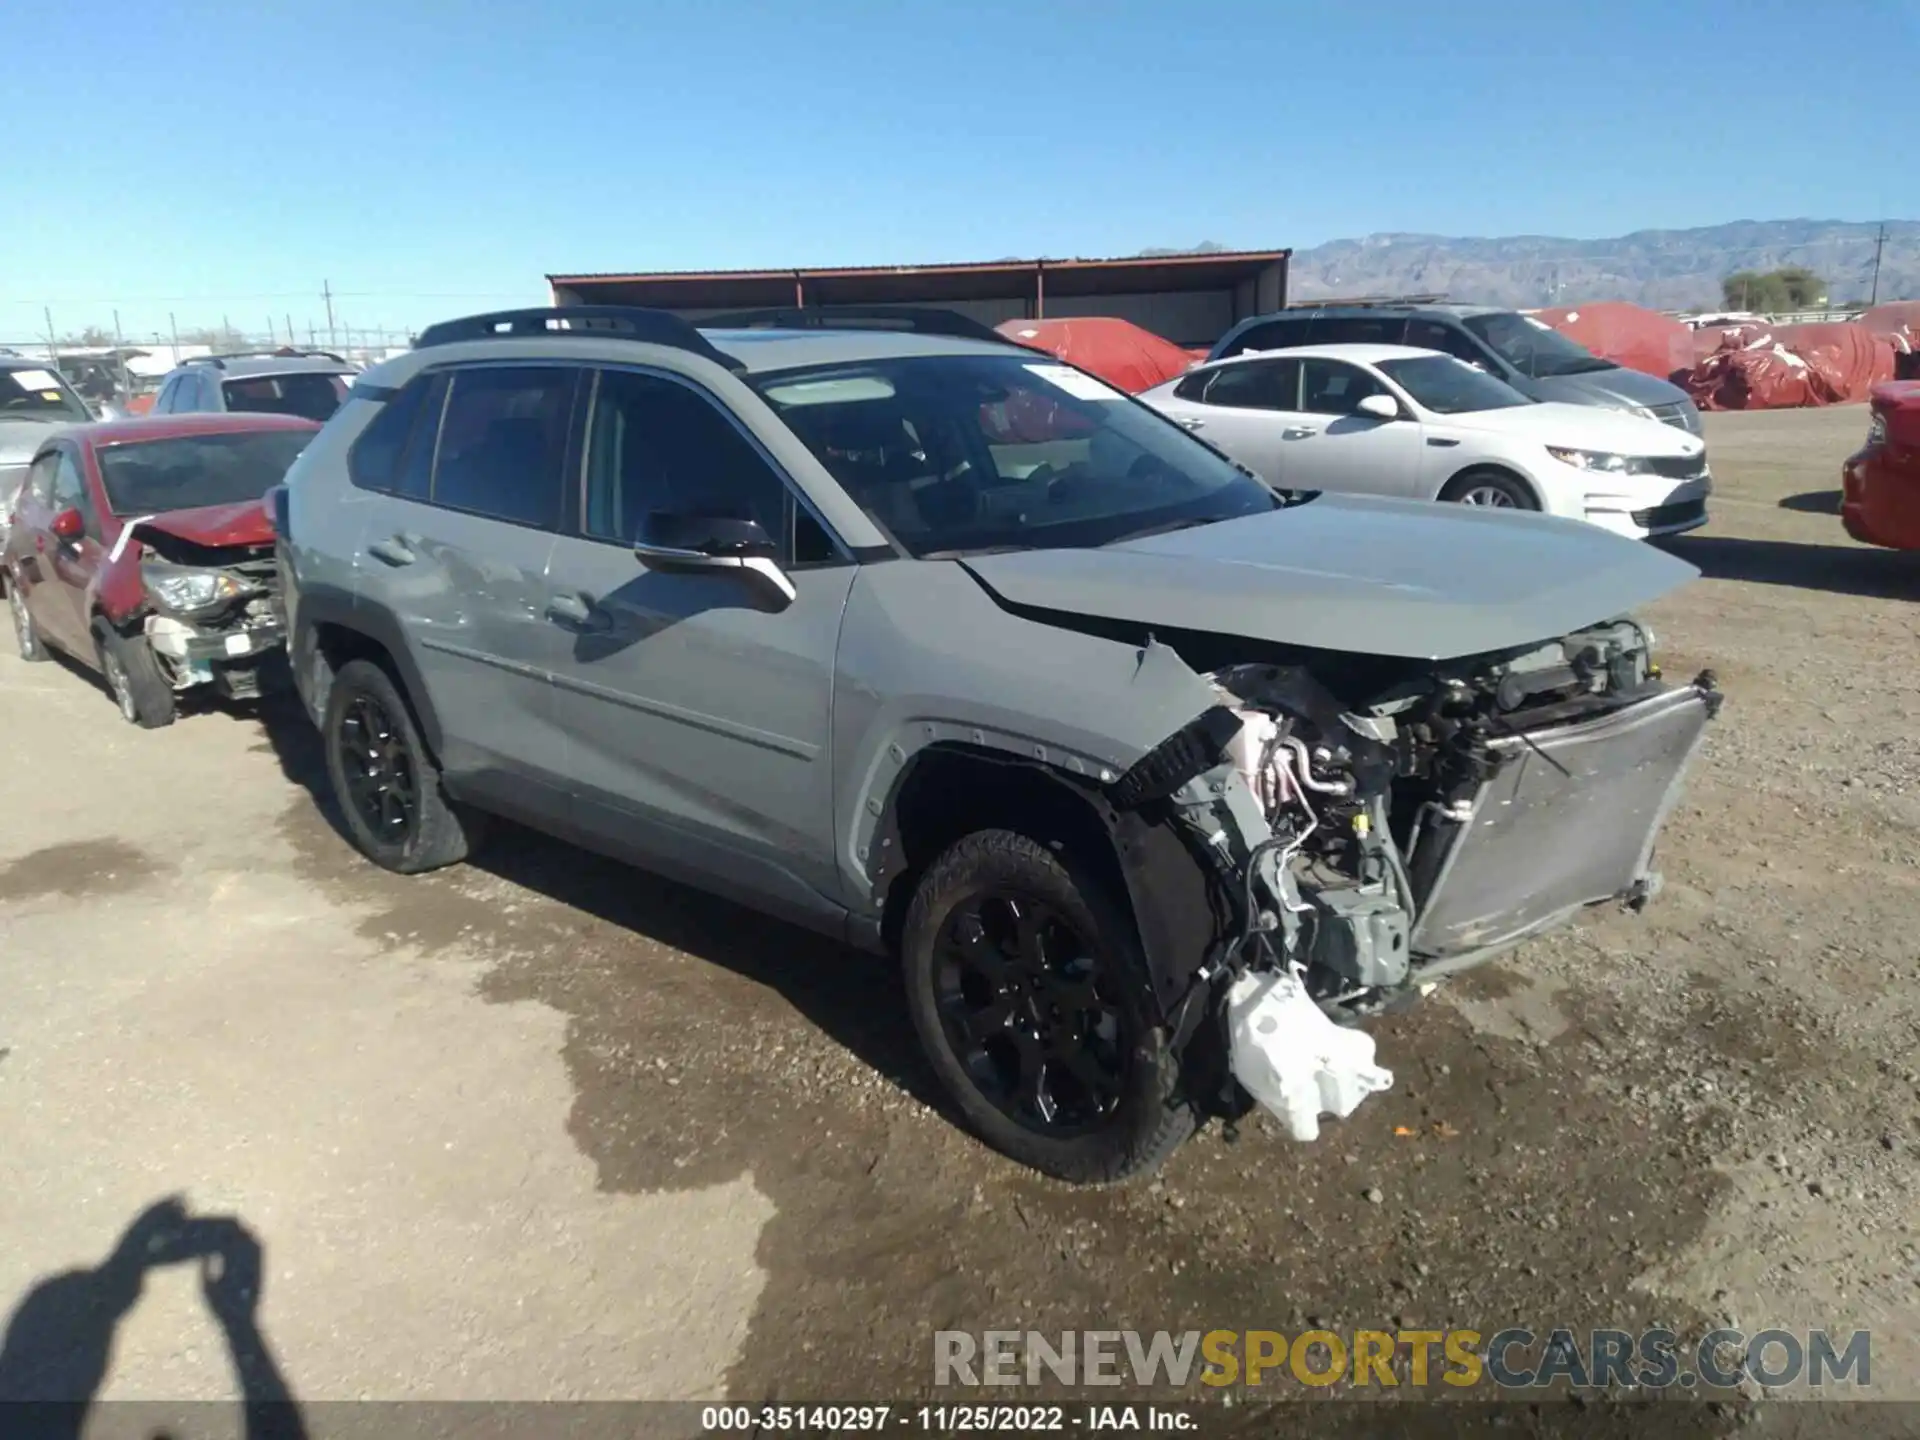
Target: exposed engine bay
{"x": 1378, "y": 842}
{"x": 211, "y": 612}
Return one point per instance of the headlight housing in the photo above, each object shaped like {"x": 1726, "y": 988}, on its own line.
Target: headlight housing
{"x": 186, "y": 590}
{"x": 1876, "y": 428}
{"x": 1601, "y": 461}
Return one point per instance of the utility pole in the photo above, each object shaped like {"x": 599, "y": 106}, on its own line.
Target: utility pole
{"x": 326, "y": 295}
{"x": 291, "y": 342}
{"x": 174, "y": 326}
{"x": 53, "y": 351}
{"x": 1879, "y": 244}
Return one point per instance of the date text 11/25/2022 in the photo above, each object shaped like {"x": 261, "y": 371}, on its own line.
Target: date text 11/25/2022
{"x": 945, "y": 1419}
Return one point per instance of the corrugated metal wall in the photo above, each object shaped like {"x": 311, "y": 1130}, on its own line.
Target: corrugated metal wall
{"x": 1186, "y": 317}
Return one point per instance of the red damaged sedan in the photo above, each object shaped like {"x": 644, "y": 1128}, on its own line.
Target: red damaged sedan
{"x": 142, "y": 548}
{"x": 1880, "y": 494}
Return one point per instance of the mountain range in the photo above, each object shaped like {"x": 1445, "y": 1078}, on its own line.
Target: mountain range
{"x": 1662, "y": 269}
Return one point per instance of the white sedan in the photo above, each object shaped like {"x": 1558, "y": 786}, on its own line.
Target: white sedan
{"x": 1393, "y": 420}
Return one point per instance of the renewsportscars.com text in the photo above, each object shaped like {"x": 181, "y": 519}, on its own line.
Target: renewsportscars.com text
{"x": 1512, "y": 1358}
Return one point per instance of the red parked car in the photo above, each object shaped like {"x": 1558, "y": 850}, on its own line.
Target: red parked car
{"x": 1880, "y": 484}
{"x": 143, "y": 549}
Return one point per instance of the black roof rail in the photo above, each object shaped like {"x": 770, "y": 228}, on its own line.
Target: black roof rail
{"x": 1370, "y": 302}
{"x": 625, "y": 322}
{"x": 913, "y": 319}
{"x": 284, "y": 352}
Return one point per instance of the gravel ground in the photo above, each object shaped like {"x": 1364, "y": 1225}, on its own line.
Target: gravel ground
{"x": 1704, "y": 1114}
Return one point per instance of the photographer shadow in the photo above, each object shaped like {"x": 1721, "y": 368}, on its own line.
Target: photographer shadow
{"x": 59, "y": 1339}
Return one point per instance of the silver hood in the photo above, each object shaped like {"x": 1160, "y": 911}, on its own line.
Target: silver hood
{"x": 1350, "y": 573}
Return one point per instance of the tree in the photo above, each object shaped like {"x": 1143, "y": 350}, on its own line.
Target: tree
{"x": 1792, "y": 287}
{"x": 217, "y": 337}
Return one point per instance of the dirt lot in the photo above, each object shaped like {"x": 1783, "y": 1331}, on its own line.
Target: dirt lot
{"x": 543, "y": 1127}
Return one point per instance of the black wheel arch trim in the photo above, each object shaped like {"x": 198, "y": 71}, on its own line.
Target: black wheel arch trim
{"x": 330, "y": 605}
{"x": 1173, "y": 897}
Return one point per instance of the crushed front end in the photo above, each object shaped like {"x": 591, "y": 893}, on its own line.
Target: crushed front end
{"x": 1379, "y": 826}
{"x": 209, "y": 612}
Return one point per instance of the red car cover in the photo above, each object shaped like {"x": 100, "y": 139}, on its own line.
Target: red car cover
{"x": 1899, "y": 319}
{"x": 1118, "y": 351}
{"x": 1625, "y": 334}
{"x": 1709, "y": 338}
{"x": 1793, "y": 365}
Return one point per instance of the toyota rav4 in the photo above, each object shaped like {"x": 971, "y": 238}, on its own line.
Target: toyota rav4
{"x": 928, "y": 641}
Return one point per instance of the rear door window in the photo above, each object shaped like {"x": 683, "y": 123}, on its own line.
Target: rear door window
{"x": 503, "y": 443}
{"x": 1255, "y": 385}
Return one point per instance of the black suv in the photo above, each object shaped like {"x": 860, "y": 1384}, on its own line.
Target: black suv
{"x": 1533, "y": 358}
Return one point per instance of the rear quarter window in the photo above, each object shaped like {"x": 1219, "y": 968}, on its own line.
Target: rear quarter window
{"x": 375, "y": 459}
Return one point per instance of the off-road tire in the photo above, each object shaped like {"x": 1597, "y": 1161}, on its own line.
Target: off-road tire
{"x": 441, "y": 833}
{"x": 26, "y": 638}
{"x": 140, "y": 691}
{"x": 1518, "y": 495}
{"x": 1153, "y": 1116}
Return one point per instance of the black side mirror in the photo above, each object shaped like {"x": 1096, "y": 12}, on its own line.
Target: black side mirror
{"x": 686, "y": 543}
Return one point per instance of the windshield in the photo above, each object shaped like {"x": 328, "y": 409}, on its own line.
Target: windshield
{"x": 312, "y": 395}
{"x": 1532, "y": 348}
{"x": 152, "y": 477}
{"x": 957, "y": 453}
{"x": 38, "y": 394}
{"x": 1445, "y": 386}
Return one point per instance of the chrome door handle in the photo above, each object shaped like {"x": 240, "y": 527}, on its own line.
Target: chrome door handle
{"x": 577, "y": 612}
{"x": 1298, "y": 432}
{"x": 392, "y": 552}
{"x": 1188, "y": 422}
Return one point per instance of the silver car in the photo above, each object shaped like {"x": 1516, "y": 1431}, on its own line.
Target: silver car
{"x": 937, "y": 645}
{"x": 35, "y": 402}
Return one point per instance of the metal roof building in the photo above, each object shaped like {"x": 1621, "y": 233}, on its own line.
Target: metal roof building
{"x": 1188, "y": 299}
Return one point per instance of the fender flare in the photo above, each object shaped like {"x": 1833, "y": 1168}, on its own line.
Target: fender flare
{"x": 330, "y": 605}
{"x": 1176, "y": 904}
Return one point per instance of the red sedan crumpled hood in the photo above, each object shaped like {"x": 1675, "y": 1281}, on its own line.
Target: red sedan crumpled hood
{"x": 246, "y": 523}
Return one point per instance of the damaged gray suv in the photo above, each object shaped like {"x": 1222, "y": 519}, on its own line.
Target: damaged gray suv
{"x": 935, "y": 644}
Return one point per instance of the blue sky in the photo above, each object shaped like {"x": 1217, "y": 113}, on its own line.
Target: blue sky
{"x": 428, "y": 156}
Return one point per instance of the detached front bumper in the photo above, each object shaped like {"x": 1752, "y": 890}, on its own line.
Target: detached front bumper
{"x": 1568, "y": 819}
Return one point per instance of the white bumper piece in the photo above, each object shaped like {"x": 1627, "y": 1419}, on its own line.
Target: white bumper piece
{"x": 1292, "y": 1058}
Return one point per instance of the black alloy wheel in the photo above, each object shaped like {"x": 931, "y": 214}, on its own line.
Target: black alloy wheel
{"x": 384, "y": 778}
{"x": 377, "y": 764}
{"x": 1030, "y": 1014}
{"x": 1028, "y": 988}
